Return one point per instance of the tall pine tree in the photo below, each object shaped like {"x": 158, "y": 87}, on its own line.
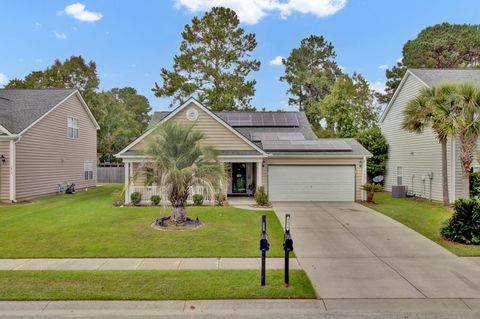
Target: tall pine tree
{"x": 213, "y": 64}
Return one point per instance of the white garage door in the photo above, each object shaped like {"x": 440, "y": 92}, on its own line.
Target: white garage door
{"x": 311, "y": 183}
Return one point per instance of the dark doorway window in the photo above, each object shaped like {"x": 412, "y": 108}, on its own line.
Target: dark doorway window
{"x": 239, "y": 178}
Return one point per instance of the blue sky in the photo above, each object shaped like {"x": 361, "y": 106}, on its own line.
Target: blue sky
{"x": 132, "y": 40}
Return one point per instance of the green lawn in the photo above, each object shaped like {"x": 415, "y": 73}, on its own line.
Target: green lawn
{"x": 422, "y": 216}
{"x": 85, "y": 225}
{"x": 151, "y": 285}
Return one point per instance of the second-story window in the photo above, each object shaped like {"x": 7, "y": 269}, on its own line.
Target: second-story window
{"x": 72, "y": 124}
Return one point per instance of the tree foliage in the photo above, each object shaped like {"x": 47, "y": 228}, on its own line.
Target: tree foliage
{"x": 440, "y": 46}
{"x": 310, "y": 71}
{"x": 349, "y": 108}
{"x": 213, "y": 63}
{"x": 118, "y": 125}
{"x": 136, "y": 104}
{"x": 374, "y": 141}
{"x": 74, "y": 72}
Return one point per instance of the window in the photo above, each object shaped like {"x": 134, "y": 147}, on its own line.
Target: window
{"x": 72, "y": 124}
{"x": 88, "y": 170}
{"x": 399, "y": 175}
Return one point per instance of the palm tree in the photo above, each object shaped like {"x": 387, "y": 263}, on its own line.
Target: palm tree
{"x": 434, "y": 107}
{"x": 179, "y": 161}
{"x": 467, "y": 101}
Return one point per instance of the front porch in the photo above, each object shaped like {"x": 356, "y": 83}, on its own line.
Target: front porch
{"x": 244, "y": 174}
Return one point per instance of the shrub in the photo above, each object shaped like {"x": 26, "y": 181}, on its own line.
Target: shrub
{"x": 136, "y": 197}
{"x": 464, "y": 226}
{"x": 197, "y": 199}
{"x": 475, "y": 184}
{"x": 155, "y": 199}
{"x": 261, "y": 197}
{"x": 219, "y": 199}
{"x": 117, "y": 199}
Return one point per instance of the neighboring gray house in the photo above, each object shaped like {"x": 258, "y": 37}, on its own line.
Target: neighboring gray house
{"x": 414, "y": 158}
{"x": 47, "y": 137}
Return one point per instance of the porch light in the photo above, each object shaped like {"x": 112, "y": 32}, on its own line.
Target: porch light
{"x": 3, "y": 158}
{"x": 360, "y": 163}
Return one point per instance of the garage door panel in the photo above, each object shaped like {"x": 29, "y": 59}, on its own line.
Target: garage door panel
{"x": 311, "y": 183}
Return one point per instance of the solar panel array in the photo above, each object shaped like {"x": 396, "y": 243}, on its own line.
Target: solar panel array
{"x": 276, "y": 136}
{"x": 262, "y": 119}
{"x": 307, "y": 145}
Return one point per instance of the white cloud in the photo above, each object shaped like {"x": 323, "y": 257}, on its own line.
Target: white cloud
{"x": 400, "y": 59}
{"x": 383, "y": 66}
{"x": 37, "y": 25}
{"x": 277, "y": 60}
{"x": 342, "y": 68}
{"x": 3, "y": 79}
{"x": 79, "y": 12}
{"x": 38, "y": 60}
{"x": 61, "y": 36}
{"x": 252, "y": 11}
{"x": 378, "y": 87}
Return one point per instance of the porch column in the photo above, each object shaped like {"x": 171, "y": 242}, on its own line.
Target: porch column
{"x": 259, "y": 174}
{"x": 127, "y": 182}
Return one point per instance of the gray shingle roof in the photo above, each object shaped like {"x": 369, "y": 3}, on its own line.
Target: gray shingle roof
{"x": 304, "y": 128}
{"x": 433, "y": 77}
{"x": 21, "y": 107}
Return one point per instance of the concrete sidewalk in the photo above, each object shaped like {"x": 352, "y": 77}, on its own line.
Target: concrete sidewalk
{"x": 141, "y": 263}
{"x": 275, "y": 309}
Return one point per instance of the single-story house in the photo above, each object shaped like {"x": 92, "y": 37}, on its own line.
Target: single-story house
{"x": 277, "y": 150}
{"x": 414, "y": 160}
{"x": 48, "y": 137}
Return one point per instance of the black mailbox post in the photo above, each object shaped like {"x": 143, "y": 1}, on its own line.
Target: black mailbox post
{"x": 264, "y": 246}
{"x": 288, "y": 247}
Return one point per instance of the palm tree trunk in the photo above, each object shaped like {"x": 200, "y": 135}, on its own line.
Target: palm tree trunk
{"x": 446, "y": 200}
{"x": 467, "y": 149}
{"x": 179, "y": 215}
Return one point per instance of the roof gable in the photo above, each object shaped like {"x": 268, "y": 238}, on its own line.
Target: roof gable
{"x": 217, "y": 132}
{"x": 22, "y": 108}
{"x": 433, "y": 77}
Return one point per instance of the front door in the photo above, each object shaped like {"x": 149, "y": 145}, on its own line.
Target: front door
{"x": 239, "y": 178}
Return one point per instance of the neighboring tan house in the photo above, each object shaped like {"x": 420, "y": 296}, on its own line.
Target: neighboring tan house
{"x": 48, "y": 137}
{"x": 414, "y": 160}
{"x": 275, "y": 149}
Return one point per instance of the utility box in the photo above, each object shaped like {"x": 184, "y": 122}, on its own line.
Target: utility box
{"x": 399, "y": 191}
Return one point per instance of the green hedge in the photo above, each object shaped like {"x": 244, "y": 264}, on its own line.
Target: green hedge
{"x": 475, "y": 184}
{"x": 464, "y": 225}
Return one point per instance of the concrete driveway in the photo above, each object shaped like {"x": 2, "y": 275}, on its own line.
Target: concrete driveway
{"x": 351, "y": 251}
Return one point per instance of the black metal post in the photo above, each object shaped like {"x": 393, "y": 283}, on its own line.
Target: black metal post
{"x": 264, "y": 255}
{"x": 288, "y": 247}
{"x": 287, "y": 269}
{"x": 264, "y": 247}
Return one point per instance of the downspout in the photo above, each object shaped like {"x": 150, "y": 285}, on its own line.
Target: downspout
{"x": 364, "y": 177}
{"x": 13, "y": 169}
{"x": 453, "y": 171}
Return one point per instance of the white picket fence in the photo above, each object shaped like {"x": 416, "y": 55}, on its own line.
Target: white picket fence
{"x": 148, "y": 191}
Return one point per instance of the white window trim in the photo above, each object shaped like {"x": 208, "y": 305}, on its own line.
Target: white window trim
{"x": 88, "y": 167}
{"x": 74, "y": 127}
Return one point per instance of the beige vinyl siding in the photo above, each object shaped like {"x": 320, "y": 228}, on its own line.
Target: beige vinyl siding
{"x": 418, "y": 154}
{"x": 5, "y": 171}
{"x": 316, "y": 161}
{"x": 215, "y": 133}
{"x": 46, "y": 157}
